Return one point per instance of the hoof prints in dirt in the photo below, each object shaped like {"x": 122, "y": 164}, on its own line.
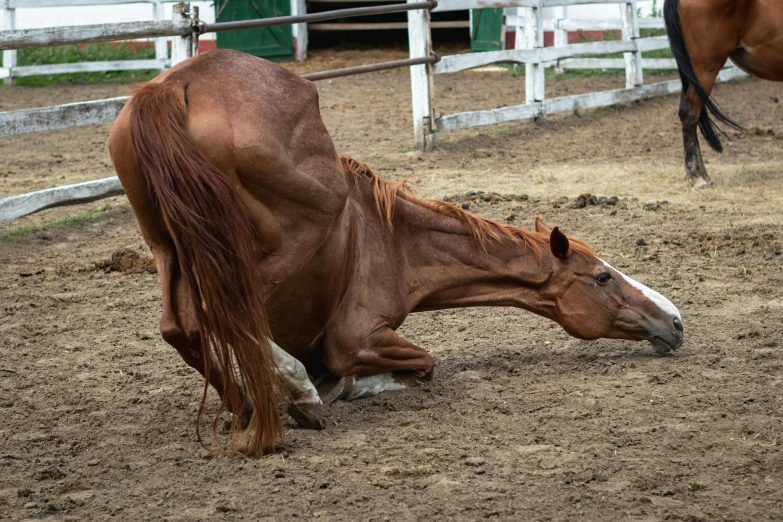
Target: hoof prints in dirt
{"x": 127, "y": 261}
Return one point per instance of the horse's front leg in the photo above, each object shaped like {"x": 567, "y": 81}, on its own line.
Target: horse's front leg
{"x": 691, "y": 108}
{"x": 383, "y": 362}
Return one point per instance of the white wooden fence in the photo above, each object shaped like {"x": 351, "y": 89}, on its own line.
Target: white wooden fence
{"x": 184, "y": 46}
{"x": 9, "y": 70}
{"x": 529, "y": 50}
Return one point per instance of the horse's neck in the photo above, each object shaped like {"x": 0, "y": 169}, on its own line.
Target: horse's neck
{"x": 446, "y": 269}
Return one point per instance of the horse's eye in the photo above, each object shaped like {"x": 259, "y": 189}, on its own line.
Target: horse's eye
{"x": 604, "y": 278}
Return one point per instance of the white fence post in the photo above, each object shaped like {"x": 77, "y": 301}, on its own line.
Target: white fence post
{"x": 299, "y": 7}
{"x": 184, "y": 47}
{"x": 534, "y": 38}
{"x": 420, "y": 45}
{"x": 9, "y": 57}
{"x": 161, "y": 44}
{"x": 633, "y": 60}
{"x": 561, "y": 34}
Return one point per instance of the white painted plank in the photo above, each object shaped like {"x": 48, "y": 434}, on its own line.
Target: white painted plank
{"x": 18, "y": 206}
{"x": 616, "y": 63}
{"x": 71, "y": 3}
{"x": 51, "y": 36}
{"x": 606, "y": 98}
{"x": 465, "y": 120}
{"x": 64, "y": 68}
{"x": 549, "y": 54}
{"x": 555, "y": 3}
{"x": 462, "y": 5}
{"x": 652, "y": 43}
{"x": 60, "y": 116}
{"x": 593, "y": 100}
{"x": 462, "y": 62}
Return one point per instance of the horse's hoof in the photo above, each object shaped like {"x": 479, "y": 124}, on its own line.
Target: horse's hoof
{"x": 309, "y": 416}
{"x": 701, "y": 183}
{"x": 342, "y": 390}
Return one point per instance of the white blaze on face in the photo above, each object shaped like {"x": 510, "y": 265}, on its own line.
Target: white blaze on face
{"x": 659, "y": 300}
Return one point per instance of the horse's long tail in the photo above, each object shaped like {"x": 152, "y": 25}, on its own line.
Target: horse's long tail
{"x": 671, "y": 16}
{"x": 214, "y": 242}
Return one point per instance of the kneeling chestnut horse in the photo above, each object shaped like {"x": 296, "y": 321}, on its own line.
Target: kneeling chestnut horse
{"x": 279, "y": 258}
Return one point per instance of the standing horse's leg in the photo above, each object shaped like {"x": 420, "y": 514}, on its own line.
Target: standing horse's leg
{"x": 691, "y": 112}
{"x": 388, "y": 362}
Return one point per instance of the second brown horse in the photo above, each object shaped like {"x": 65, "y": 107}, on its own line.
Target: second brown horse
{"x": 703, "y": 35}
{"x": 278, "y": 258}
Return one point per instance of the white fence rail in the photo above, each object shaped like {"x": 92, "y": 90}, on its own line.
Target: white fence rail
{"x": 9, "y": 69}
{"x": 529, "y": 49}
{"x": 184, "y": 45}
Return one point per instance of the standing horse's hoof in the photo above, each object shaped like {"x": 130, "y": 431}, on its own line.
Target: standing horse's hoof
{"x": 309, "y": 416}
{"x": 701, "y": 183}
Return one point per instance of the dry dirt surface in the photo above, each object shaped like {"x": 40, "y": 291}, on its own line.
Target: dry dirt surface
{"x": 520, "y": 422}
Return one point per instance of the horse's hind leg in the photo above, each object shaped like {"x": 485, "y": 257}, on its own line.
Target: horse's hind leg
{"x": 691, "y": 108}
{"x": 304, "y": 404}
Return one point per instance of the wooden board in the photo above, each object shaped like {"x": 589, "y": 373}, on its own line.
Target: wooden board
{"x": 593, "y": 100}
{"x": 18, "y": 206}
{"x": 78, "y": 34}
{"x": 62, "y": 68}
{"x": 465, "y": 120}
{"x": 60, "y": 116}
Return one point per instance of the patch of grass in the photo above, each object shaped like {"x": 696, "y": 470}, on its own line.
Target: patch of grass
{"x": 698, "y": 486}
{"x": 86, "y": 53}
{"x": 23, "y": 231}
{"x": 501, "y": 132}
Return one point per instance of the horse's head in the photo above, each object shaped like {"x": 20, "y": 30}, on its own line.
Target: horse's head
{"x": 592, "y": 300}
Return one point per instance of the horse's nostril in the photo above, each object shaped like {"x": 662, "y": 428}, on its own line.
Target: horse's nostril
{"x": 678, "y": 324}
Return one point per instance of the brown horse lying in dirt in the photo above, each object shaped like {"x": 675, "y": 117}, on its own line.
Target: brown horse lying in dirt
{"x": 261, "y": 232}
{"x": 703, "y": 35}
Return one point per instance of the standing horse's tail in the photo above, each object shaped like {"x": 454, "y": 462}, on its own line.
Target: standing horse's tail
{"x": 214, "y": 242}
{"x": 671, "y": 16}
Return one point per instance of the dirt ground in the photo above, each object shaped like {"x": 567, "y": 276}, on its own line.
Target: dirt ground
{"x": 521, "y": 421}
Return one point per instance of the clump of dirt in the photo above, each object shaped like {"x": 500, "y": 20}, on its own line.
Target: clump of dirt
{"x": 127, "y": 261}
{"x": 587, "y": 200}
{"x": 655, "y": 207}
{"x": 481, "y": 197}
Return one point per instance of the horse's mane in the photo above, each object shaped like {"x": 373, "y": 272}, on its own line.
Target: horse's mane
{"x": 481, "y": 230}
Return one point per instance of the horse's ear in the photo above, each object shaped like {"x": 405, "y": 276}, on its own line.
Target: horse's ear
{"x": 558, "y": 242}
{"x": 541, "y": 227}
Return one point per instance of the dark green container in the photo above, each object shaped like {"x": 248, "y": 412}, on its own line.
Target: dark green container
{"x": 487, "y": 30}
{"x": 273, "y": 43}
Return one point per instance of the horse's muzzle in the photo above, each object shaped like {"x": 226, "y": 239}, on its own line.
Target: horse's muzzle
{"x": 667, "y": 341}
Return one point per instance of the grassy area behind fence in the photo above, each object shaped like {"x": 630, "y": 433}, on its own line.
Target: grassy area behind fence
{"x": 87, "y": 53}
